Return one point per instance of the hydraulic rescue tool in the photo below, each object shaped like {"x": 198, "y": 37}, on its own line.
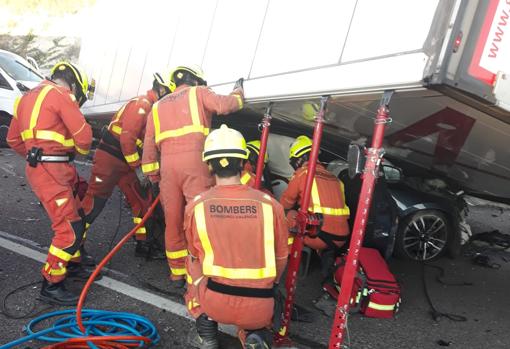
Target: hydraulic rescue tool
{"x": 370, "y": 173}
{"x": 265, "y": 124}
{"x": 306, "y": 224}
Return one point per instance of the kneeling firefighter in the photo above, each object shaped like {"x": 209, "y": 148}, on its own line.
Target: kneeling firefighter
{"x": 327, "y": 198}
{"x": 117, "y": 162}
{"x": 48, "y": 129}
{"x": 237, "y": 242}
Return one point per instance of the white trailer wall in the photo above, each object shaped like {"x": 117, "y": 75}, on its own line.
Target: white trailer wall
{"x": 282, "y": 47}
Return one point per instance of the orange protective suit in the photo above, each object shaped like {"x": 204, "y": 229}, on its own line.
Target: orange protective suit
{"x": 327, "y": 198}
{"x": 116, "y": 159}
{"x": 48, "y": 117}
{"x": 176, "y": 131}
{"x": 237, "y": 240}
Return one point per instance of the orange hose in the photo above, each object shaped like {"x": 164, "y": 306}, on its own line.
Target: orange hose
{"x": 107, "y": 342}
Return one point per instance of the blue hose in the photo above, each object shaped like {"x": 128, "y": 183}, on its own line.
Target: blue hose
{"x": 96, "y": 323}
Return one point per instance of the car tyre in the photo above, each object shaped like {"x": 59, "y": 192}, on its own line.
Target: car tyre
{"x": 423, "y": 236}
{"x": 5, "y": 121}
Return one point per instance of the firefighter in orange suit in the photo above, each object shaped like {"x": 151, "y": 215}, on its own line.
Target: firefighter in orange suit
{"x": 48, "y": 129}
{"x": 327, "y": 198}
{"x": 174, "y": 140}
{"x": 237, "y": 242}
{"x": 117, "y": 160}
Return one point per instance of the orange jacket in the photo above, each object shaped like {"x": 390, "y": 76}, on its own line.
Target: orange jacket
{"x": 181, "y": 121}
{"x": 239, "y": 235}
{"x": 327, "y": 197}
{"x": 128, "y": 125}
{"x": 48, "y": 117}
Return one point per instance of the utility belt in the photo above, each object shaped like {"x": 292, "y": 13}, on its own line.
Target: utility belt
{"x": 239, "y": 291}
{"x": 330, "y": 239}
{"x": 36, "y": 155}
{"x": 111, "y": 145}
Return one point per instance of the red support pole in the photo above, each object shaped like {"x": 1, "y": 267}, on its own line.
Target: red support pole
{"x": 374, "y": 156}
{"x": 266, "y": 123}
{"x": 281, "y": 338}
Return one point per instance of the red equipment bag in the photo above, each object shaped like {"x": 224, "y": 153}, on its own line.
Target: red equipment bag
{"x": 376, "y": 292}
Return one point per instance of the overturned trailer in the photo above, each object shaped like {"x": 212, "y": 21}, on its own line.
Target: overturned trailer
{"x": 447, "y": 60}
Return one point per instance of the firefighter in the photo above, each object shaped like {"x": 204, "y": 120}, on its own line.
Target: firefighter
{"x": 117, "y": 163}
{"x": 237, "y": 242}
{"x": 327, "y": 198}
{"x": 174, "y": 141}
{"x": 248, "y": 175}
{"x": 48, "y": 129}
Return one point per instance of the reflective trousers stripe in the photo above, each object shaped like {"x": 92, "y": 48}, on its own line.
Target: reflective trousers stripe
{"x": 132, "y": 158}
{"x": 178, "y": 271}
{"x": 177, "y": 254}
{"x": 55, "y": 272}
{"x": 57, "y": 252}
{"x": 147, "y": 168}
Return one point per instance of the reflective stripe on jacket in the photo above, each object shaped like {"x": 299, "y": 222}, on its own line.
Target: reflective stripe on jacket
{"x": 128, "y": 125}
{"x": 239, "y": 234}
{"x": 48, "y": 117}
{"x": 327, "y": 197}
{"x": 180, "y": 122}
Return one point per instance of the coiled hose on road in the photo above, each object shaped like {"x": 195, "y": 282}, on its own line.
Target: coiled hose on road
{"x": 97, "y": 329}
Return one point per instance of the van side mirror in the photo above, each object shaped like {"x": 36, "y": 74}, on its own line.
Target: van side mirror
{"x": 355, "y": 159}
{"x": 392, "y": 174}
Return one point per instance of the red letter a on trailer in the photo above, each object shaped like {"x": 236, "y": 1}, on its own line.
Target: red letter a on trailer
{"x": 452, "y": 127}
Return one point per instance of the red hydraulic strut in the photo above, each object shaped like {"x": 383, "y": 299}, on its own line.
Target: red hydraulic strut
{"x": 266, "y": 122}
{"x": 303, "y": 220}
{"x": 370, "y": 174}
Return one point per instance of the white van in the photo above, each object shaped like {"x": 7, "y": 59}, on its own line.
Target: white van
{"x": 17, "y": 76}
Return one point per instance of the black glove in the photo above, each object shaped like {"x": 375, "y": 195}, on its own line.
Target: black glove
{"x": 239, "y": 83}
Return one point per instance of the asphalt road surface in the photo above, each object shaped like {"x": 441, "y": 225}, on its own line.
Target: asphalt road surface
{"x": 140, "y": 286}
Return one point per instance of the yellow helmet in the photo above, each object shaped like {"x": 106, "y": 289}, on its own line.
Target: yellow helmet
{"x": 309, "y": 110}
{"x": 224, "y": 142}
{"x": 254, "y": 146}
{"x": 163, "y": 79}
{"x": 300, "y": 146}
{"x": 194, "y": 70}
{"x": 80, "y": 76}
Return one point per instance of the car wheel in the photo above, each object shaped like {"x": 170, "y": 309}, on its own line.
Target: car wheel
{"x": 423, "y": 236}
{"x": 5, "y": 121}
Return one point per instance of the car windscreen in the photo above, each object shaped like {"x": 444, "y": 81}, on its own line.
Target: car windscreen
{"x": 17, "y": 70}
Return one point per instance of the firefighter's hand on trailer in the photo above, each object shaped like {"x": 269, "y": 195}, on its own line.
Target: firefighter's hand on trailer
{"x": 239, "y": 84}
{"x": 143, "y": 179}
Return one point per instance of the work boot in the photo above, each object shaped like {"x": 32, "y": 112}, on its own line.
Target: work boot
{"x": 177, "y": 283}
{"x": 57, "y": 293}
{"x": 79, "y": 271}
{"x": 206, "y": 336}
{"x": 259, "y": 339}
{"x": 195, "y": 341}
{"x": 86, "y": 259}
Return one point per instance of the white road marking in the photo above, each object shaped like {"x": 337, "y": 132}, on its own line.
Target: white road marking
{"x": 8, "y": 169}
{"x": 115, "y": 285}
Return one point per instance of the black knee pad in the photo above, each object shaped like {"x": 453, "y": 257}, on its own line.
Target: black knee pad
{"x": 206, "y": 328}
{"x": 99, "y": 204}
{"x": 79, "y": 232}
